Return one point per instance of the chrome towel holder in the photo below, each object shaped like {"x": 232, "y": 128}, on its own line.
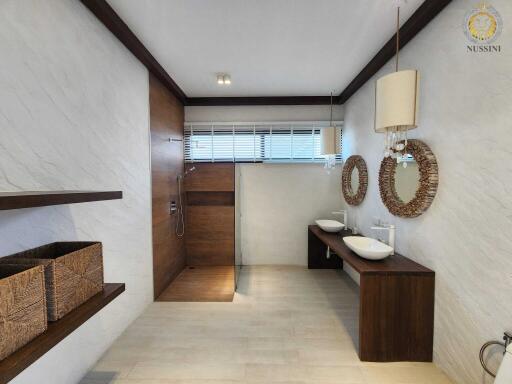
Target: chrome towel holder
{"x": 507, "y": 340}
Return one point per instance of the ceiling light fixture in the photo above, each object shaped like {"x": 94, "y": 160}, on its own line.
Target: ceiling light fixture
{"x": 330, "y": 142}
{"x": 397, "y": 104}
{"x": 223, "y": 79}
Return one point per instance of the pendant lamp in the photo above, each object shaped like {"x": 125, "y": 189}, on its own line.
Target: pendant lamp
{"x": 330, "y": 142}
{"x": 396, "y": 104}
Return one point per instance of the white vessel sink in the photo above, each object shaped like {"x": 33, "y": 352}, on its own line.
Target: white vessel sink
{"x": 330, "y": 225}
{"x": 368, "y": 248}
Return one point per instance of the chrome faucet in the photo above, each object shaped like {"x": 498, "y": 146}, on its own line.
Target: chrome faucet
{"x": 345, "y": 218}
{"x": 391, "y": 232}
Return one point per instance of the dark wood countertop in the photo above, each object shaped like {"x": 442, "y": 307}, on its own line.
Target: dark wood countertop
{"x": 392, "y": 265}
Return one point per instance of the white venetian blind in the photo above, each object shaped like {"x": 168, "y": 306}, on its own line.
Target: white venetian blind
{"x": 254, "y": 142}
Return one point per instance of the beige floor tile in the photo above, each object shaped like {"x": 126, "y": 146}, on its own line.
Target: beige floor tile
{"x": 402, "y": 374}
{"x": 275, "y": 373}
{"x": 286, "y": 325}
{"x": 323, "y": 357}
{"x": 196, "y": 371}
{"x": 110, "y": 370}
{"x": 335, "y": 374}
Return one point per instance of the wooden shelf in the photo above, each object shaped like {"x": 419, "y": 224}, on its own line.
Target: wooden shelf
{"x": 18, "y": 200}
{"x": 16, "y": 363}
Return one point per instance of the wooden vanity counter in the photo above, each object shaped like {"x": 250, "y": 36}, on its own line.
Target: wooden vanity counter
{"x": 396, "y": 300}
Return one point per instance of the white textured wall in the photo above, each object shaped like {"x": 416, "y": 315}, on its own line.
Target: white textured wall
{"x": 465, "y": 117}
{"x": 74, "y": 115}
{"x": 263, "y": 113}
{"x": 277, "y": 202}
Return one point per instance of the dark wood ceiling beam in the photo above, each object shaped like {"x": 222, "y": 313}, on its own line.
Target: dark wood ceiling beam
{"x": 423, "y": 15}
{"x": 267, "y": 100}
{"x": 104, "y": 12}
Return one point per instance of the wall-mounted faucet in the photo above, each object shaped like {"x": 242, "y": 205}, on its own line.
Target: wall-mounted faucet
{"x": 391, "y": 232}
{"x": 345, "y": 218}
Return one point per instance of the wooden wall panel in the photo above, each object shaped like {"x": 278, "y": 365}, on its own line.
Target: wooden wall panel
{"x": 211, "y": 198}
{"x": 166, "y": 121}
{"x": 210, "y": 216}
{"x": 211, "y": 235}
{"x": 211, "y": 177}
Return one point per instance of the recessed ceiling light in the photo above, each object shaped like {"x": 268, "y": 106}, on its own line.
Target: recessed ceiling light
{"x": 223, "y": 79}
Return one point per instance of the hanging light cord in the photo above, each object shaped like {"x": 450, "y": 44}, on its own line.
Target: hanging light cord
{"x": 397, "y": 36}
{"x": 331, "y": 109}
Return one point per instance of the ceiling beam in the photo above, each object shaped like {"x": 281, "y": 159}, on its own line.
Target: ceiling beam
{"x": 423, "y": 15}
{"x": 266, "y": 100}
{"x": 104, "y": 12}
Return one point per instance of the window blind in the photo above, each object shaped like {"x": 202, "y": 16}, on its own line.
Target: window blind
{"x": 255, "y": 142}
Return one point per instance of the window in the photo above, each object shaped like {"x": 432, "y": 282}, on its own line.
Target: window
{"x": 254, "y": 142}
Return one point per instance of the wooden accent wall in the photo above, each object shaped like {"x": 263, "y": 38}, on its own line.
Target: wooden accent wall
{"x": 210, "y": 214}
{"x": 167, "y": 162}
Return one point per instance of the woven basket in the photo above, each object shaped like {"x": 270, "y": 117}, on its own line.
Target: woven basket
{"x": 22, "y": 306}
{"x": 73, "y": 273}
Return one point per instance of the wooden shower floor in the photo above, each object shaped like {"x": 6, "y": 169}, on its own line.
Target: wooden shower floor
{"x": 200, "y": 284}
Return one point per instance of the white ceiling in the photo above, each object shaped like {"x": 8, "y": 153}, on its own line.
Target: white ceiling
{"x": 269, "y": 47}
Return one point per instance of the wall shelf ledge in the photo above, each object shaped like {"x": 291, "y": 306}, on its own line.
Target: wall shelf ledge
{"x": 16, "y": 363}
{"x": 31, "y": 199}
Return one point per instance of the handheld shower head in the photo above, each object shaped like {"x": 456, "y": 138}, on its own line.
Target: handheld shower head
{"x": 190, "y": 170}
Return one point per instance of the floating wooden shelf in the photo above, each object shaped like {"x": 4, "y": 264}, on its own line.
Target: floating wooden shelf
{"x": 16, "y": 363}
{"x": 18, "y": 200}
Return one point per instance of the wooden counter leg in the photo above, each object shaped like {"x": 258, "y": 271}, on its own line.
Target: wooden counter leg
{"x": 396, "y": 319}
{"x": 317, "y": 255}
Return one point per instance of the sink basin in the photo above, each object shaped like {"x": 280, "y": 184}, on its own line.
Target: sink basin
{"x": 330, "y": 225}
{"x": 368, "y": 248}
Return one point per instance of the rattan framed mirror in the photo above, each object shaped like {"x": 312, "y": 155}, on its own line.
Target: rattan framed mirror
{"x": 354, "y": 180}
{"x": 424, "y": 190}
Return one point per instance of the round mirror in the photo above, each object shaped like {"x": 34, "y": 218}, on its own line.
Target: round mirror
{"x": 408, "y": 191}
{"x": 407, "y": 179}
{"x": 354, "y": 180}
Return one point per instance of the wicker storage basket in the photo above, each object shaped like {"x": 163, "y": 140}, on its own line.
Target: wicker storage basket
{"x": 73, "y": 273}
{"x": 22, "y": 306}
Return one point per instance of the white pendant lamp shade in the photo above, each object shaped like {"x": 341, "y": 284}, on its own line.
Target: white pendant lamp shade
{"x": 396, "y": 103}
{"x": 330, "y": 141}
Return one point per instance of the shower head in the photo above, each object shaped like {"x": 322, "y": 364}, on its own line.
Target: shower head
{"x": 190, "y": 170}
{"x": 182, "y": 175}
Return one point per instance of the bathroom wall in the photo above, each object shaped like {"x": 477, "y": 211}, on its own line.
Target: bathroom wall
{"x": 210, "y": 215}
{"x": 263, "y": 113}
{"x": 465, "y": 116}
{"x": 166, "y": 122}
{"x": 74, "y": 115}
{"x": 277, "y": 202}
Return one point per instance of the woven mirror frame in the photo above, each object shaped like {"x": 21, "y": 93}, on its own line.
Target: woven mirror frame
{"x": 351, "y": 197}
{"x": 428, "y": 182}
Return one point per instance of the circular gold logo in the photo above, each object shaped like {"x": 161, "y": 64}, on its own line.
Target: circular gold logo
{"x": 483, "y": 24}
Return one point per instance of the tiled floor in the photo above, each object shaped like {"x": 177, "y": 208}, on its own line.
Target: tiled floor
{"x": 286, "y": 325}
